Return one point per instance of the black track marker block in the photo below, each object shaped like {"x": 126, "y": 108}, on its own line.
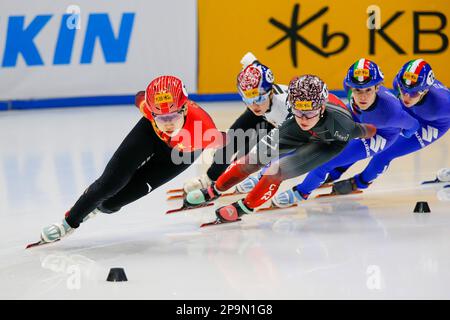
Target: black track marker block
{"x": 422, "y": 206}
{"x": 116, "y": 275}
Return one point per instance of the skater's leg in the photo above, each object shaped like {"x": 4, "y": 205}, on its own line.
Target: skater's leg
{"x": 159, "y": 170}
{"x": 236, "y": 173}
{"x": 137, "y": 148}
{"x": 374, "y": 145}
{"x": 302, "y": 160}
{"x": 290, "y": 165}
{"x": 354, "y": 151}
{"x": 402, "y": 146}
{"x": 337, "y": 172}
{"x": 276, "y": 144}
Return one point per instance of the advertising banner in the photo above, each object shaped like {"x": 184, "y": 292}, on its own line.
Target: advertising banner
{"x": 322, "y": 37}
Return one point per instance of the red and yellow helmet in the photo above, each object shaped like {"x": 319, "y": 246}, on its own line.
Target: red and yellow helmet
{"x": 165, "y": 94}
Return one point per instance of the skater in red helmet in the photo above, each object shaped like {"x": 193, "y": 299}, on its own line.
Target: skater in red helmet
{"x": 164, "y": 142}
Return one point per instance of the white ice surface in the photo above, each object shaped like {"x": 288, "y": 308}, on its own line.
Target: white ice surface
{"x": 361, "y": 246}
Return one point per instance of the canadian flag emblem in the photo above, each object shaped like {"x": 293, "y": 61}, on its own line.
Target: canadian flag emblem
{"x": 268, "y": 194}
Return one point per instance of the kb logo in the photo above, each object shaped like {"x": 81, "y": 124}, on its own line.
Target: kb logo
{"x": 294, "y": 37}
{"x": 333, "y": 43}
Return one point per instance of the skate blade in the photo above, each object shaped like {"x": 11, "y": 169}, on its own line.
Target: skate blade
{"x": 217, "y": 222}
{"x": 272, "y": 208}
{"x": 183, "y": 208}
{"x": 39, "y": 243}
{"x": 329, "y": 195}
{"x": 174, "y": 191}
{"x": 432, "y": 181}
{"x": 181, "y": 196}
{"x": 175, "y": 197}
{"x": 325, "y": 185}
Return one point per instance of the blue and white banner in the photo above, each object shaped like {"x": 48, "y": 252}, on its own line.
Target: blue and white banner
{"x": 60, "y": 49}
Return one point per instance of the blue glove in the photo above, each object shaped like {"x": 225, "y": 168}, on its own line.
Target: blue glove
{"x": 408, "y": 133}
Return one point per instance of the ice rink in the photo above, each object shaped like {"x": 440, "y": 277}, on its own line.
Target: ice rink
{"x": 368, "y": 246}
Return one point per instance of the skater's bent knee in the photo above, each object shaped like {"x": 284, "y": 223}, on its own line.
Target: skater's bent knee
{"x": 105, "y": 209}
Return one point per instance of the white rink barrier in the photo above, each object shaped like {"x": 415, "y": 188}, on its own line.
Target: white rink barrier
{"x": 98, "y": 52}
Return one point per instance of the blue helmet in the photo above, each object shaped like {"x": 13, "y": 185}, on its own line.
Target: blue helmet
{"x": 255, "y": 83}
{"x": 415, "y": 75}
{"x": 363, "y": 74}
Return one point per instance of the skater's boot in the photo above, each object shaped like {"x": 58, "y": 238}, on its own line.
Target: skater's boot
{"x": 288, "y": 198}
{"x": 348, "y": 186}
{"x": 232, "y": 212}
{"x": 200, "y": 197}
{"x": 56, "y": 231}
{"x": 443, "y": 175}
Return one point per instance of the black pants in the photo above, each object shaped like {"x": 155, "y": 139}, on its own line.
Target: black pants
{"x": 141, "y": 164}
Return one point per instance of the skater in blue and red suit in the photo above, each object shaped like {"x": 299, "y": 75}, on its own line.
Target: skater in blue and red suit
{"x": 371, "y": 103}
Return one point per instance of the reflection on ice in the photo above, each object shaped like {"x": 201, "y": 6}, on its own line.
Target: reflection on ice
{"x": 361, "y": 246}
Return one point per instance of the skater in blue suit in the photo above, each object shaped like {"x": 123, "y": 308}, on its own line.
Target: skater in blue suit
{"x": 372, "y": 103}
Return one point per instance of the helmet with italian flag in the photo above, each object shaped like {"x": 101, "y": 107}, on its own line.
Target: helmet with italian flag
{"x": 415, "y": 75}
{"x": 363, "y": 74}
{"x": 165, "y": 94}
